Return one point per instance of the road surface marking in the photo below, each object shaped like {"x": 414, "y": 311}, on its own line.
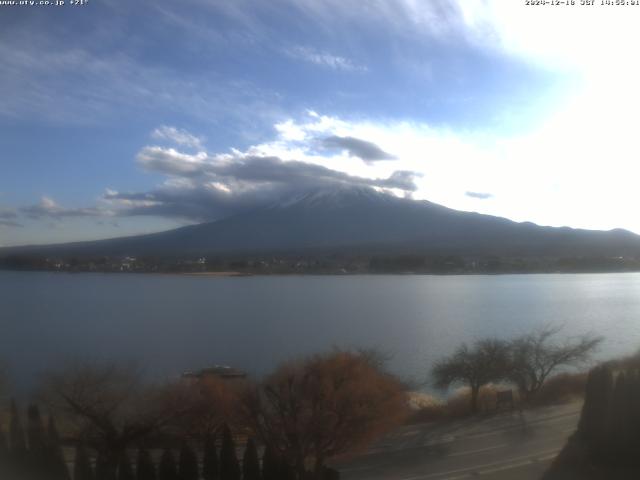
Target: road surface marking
{"x": 472, "y": 471}
{"x": 547, "y": 457}
{"x": 446, "y": 439}
{"x": 398, "y": 442}
{"x": 509, "y": 466}
{"x": 470, "y": 452}
{"x": 490, "y": 434}
{"x": 525, "y": 425}
{"x": 519, "y": 464}
{"x": 475, "y": 468}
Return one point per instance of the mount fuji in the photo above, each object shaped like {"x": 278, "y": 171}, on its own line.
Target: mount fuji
{"x": 357, "y": 220}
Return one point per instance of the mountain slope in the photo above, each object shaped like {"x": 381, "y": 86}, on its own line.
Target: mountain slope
{"x": 359, "y": 220}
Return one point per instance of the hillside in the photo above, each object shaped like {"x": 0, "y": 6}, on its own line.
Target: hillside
{"x": 362, "y": 220}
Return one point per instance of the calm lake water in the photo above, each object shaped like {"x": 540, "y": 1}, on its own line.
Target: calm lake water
{"x": 172, "y": 323}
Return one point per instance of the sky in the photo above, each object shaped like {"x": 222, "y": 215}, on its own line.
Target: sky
{"x": 120, "y": 118}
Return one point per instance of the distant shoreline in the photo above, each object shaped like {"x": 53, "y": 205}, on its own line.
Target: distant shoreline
{"x": 236, "y": 274}
{"x": 217, "y": 274}
{"x": 326, "y": 264}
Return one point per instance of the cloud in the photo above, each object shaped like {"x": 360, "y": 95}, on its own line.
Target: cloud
{"x": 113, "y": 224}
{"x": 197, "y": 203}
{"x": 479, "y": 195}
{"x": 325, "y": 59}
{"x": 432, "y": 163}
{"x": 48, "y": 208}
{"x": 404, "y": 180}
{"x": 171, "y": 161}
{"x": 366, "y": 151}
{"x": 202, "y": 186}
{"x": 10, "y": 223}
{"x": 206, "y": 187}
{"x": 117, "y": 83}
{"x": 178, "y": 136}
{"x": 7, "y": 213}
{"x": 7, "y": 216}
{"x": 240, "y": 167}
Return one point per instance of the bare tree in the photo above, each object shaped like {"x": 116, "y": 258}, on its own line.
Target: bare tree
{"x": 536, "y": 355}
{"x": 111, "y": 407}
{"x": 325, "y": 406}
{"x": 485, "y": 361}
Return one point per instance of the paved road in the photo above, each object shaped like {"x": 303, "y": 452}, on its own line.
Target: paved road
{"x": 511, "y": 445}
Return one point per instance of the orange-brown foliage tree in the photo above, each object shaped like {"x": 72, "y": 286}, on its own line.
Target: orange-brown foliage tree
{"x": 325, "y": 406}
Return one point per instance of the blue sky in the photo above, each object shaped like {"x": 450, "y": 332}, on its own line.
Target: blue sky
{"x": 127, "y": 117}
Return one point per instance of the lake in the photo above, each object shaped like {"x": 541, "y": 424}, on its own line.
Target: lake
{"x": 172, "y": 323}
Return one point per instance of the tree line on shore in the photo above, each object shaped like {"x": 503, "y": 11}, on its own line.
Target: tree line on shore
{"x": 328, "y": 263}
{"x": 302, "y": 416}
{"x": 526, "y": 361}
{"x": 37, "y": 454}
{"x": 34, "y": 454}
{"x": 289, "y": 425}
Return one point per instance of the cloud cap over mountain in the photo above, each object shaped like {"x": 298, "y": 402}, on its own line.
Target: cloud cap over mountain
{"x": 205, "y": 187}
{"x": 366, "y": 151}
